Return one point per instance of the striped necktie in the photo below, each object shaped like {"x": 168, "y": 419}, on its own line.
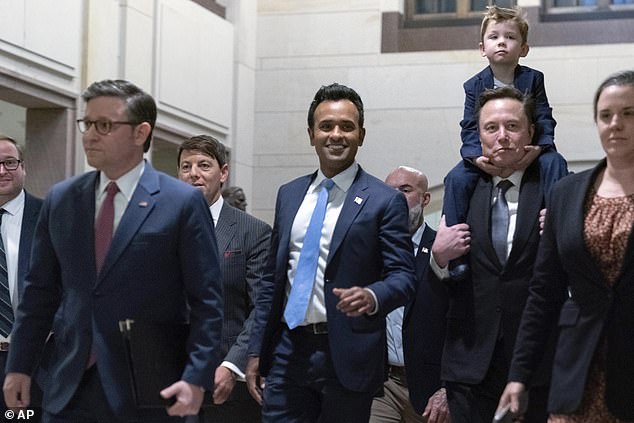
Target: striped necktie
{"x": 6, "y": 309}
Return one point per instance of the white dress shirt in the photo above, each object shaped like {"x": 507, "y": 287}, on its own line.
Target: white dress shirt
{"x": 317, "y": 306}
{"x": 395, "y": 318}
{"x": 127, "y": 184}
{"x": 512, "y": 199}
{"x": 215, "y": 209}
{"x": 11, "y": 229}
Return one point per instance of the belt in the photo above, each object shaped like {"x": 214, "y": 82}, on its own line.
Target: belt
{"x": 398, "y": 374}
{"x": 315, "y": 328}
{"x": 4, "y": 346}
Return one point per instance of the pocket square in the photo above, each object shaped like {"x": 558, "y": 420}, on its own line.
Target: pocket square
{"x": 231, "y": 253}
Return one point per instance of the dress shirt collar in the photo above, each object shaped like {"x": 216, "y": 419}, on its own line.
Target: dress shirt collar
{"x": 14, "y": 205}
{"x": 343, "y": 180}
{"x": 215, "y": 209}
{"x": 515, "y": 178}
{"x": 127, "y": 183}
{"x": 418, "y": 236}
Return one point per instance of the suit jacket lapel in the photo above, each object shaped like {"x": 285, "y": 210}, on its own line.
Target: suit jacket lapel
{"x": 226, "y": 227}
{"x": 354, "y": 202}
{"x": 481, "y": 200}
{"x": 29, "y": 219}
{"x": 139, "y": 207}
{"x": 576, "y": 219}
{"x": 288, "y": 206}
{"x": 531, "y": 201}
{"x": 422, "y": 255}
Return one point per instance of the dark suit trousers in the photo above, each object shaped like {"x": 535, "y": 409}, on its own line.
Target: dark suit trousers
{"x": 89, "y": 405}
{"x": 240, "y": 407}
{"x": 477, "y": 403}
{"x": 302, "y": 385}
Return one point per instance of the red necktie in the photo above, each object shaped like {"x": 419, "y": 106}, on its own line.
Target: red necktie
{"x": 104, "y": 225}
{"x": 103, "y": 236}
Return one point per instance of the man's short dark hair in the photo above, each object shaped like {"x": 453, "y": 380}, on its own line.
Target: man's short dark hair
{"x": 205, "y": 144}
{"x": 335, "y": 92}
{"x": 140, "y": 105}
{"x": 14, "y": 142}
{"x": 528, "y": 103}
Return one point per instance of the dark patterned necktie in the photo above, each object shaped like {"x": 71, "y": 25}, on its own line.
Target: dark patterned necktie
{"x": 500, "y": 220}
{"x": 6, "y": 309}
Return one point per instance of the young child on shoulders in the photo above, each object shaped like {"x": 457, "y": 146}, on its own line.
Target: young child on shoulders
{"x": 503, "y": 41}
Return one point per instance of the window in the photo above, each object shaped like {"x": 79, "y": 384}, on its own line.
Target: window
{"x": 426, "y": 9}
{"x": 601, "y": 3}
{"x": 604, "y": 8}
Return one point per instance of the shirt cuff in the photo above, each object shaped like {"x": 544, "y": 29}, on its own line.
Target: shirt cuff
{"x": 441, "y": 272}
{"x": 376, "y": 302}
{"x": 234, "y": 369}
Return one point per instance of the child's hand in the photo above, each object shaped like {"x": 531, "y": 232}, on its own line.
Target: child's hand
{"x": 532, "y": 152}
{"x": 485, "y": 165}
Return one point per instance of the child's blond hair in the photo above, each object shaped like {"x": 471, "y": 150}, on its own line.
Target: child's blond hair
{"x": 501, "y": 14}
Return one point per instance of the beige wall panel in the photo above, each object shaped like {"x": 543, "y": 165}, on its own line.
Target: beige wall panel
{"x": 195, "y": 63}
{"x": 41, "y": 40}
{"x": 309, "y": 6}
{"x": 102, "y": 51}
{"x": 319, "y": 34}
{"x": 138, "y": 53}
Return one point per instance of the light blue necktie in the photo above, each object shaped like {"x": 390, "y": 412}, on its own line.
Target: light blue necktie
{"x": 307, "y": 266}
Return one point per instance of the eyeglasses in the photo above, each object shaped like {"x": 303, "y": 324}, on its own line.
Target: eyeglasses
{"x": 103, "y": 127}
{"x": 10, "y": 164}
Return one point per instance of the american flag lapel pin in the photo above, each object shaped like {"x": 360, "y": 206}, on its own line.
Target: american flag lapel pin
{"x": 143, "y": 204}
{"x": 358, "y": 200}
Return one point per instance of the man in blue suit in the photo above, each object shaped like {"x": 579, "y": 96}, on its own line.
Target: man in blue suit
{"x": 326, "y": 362}
{"x": 124, "y": 241}
{"x": 19, "y": 215}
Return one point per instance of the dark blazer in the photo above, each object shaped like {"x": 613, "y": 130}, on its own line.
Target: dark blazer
{"x": 526, "y": 80}
{"x": 162, "y": 259}
{"x": 568, "y": 290}
{"x": 32, "y": 206}
{"x": 494, "y": 297}
{"x": 424, "y": 326}
{"x": 243, "y": 243}
{"x": 370, "y": 247}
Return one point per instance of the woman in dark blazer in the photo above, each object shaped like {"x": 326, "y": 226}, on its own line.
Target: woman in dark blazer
{"x": 583, "y": 282}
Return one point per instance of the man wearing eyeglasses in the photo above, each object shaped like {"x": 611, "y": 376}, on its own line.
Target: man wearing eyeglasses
{"x": 18, "y": 215}
{"x": 122, "y": 242}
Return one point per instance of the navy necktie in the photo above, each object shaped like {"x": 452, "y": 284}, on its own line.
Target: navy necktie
{"x": 6, "y": 309}
{"x": 298, "y": 300}
{"x": 500, "y": 220}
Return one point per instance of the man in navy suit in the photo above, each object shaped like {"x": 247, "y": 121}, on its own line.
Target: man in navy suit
{"x": 20, "y": 212}
{"x": 329, "y": 365}
{"x": 415, "y": 333}
{"x": 243, "y": 243}
{"x": 161, "y": 266}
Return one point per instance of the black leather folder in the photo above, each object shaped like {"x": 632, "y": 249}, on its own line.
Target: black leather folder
{"x": 157, "y": 355}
